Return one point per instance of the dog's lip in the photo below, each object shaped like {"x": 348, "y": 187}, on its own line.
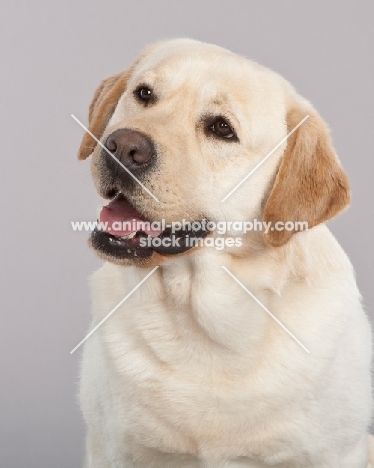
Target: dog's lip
{"x": 120, "y": 248}
{"x": 129, "y": 247}
{"x": 126, "y": 242}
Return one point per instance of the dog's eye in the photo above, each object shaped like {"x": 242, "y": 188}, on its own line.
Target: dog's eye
{"x": 221, "y": 128}
{"x": 144, "y": 94}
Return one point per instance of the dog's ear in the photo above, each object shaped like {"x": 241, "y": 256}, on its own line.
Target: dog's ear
{"x": 101, "y": 109}
{"x": 310, "y": 185}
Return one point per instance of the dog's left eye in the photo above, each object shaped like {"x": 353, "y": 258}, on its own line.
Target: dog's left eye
{"x": 221, "y": 128}
{"x": 144, "y": 94}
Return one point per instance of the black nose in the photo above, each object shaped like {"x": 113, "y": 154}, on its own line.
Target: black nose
{"x": 132, "y": 148}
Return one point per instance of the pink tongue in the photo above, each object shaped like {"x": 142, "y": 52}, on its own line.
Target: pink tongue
{"x": 120, "y": 218}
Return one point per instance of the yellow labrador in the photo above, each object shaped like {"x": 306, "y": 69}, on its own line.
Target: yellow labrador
{"x": 253, "y": 354}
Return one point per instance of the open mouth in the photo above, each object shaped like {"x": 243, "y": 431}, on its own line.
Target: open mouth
{"x": 124, "y": 233}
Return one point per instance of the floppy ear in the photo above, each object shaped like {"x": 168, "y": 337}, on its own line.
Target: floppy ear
{"x": 101, "y": 109}
{"x": 310, "y": 184}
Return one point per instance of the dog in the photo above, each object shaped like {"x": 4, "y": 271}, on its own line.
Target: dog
{"x": 252, "y": 355}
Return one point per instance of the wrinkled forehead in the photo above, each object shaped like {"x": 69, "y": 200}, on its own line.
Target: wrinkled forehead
{"x": 201, "y": 71}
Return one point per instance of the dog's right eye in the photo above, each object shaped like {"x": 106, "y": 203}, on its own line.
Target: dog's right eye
{"x": 144, "y": 94}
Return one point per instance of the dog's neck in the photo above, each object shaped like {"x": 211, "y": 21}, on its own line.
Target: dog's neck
{"x": 206, "y": 300}
{"x": 197, "y": 286}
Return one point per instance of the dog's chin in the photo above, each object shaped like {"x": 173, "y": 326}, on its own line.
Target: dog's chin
{"x": 140, "y": 248}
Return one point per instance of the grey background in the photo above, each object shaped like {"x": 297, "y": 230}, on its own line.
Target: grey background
{"x": 53, "y": 56}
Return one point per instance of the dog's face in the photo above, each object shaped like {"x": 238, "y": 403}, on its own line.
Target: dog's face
{"x": 182, "y": 127}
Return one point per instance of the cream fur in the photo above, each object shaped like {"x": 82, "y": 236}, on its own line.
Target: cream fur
{"x": 190, "y": 372}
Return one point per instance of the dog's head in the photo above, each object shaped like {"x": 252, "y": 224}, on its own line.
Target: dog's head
{"x": 181, "y": 128}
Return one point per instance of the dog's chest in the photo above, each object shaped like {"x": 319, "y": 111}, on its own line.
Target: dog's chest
{"x": 181, "y": 369}
{"x": 170, "y": 379}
